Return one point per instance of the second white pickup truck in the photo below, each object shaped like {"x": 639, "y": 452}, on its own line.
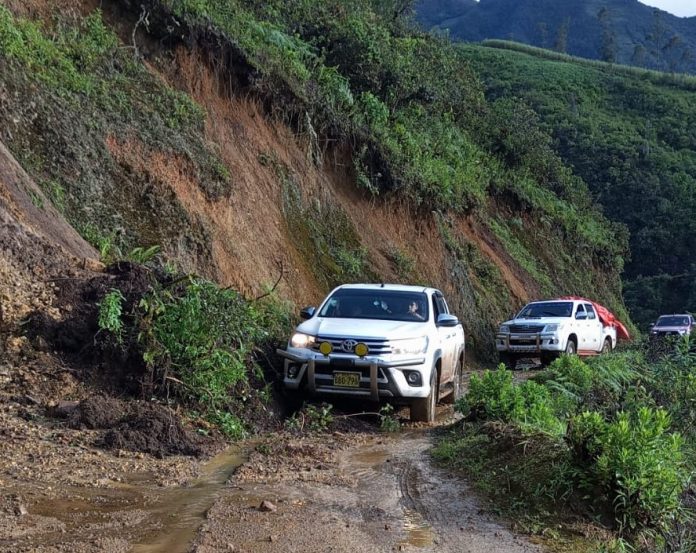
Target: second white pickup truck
{"x": 380, "y": 342}
{"x": 546, "y": 329}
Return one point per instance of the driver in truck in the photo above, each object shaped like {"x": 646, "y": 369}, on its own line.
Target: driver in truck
{"x": 413, "y": 310}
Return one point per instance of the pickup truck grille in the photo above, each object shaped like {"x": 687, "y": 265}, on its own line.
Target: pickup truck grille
{"x": 526, "y": 329}
{"x": 377, "y": 347}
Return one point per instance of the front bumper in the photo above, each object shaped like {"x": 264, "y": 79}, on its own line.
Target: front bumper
{"x": 529, "y": 343}
{"x": 379, "y": 377}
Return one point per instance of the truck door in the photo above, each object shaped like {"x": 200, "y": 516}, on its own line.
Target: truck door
{"x": 447, "y": 336}
{"x": 594, "y": 329}
{"x": 581, "y": 327}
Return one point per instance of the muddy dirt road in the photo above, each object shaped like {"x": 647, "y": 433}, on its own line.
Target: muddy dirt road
{"x": 356, "y": 491}
{"x": 382, "y": 495}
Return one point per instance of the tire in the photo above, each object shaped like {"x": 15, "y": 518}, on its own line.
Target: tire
{"x": 571, "y": 347}
{"x": 508, "y": 359}
{"x": 456, "y": 384}
{"x": 423, "y": 408}
{"x": 606, "y": 348}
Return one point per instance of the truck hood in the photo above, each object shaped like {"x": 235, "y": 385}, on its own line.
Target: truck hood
{"x": 541, "y": 321}
{"x": 362, "y": 328}
{"x": 681, "y": 328}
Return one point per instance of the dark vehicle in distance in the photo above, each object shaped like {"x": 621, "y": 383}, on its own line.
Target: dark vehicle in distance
{"x": 673, "y": 325}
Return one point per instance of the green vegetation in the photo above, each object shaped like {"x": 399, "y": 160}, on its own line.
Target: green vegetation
{"x": 110, "y": 311}
{"x": 407, "y": 107}
{"x": 202, "y": 342}
{"x": 628, "y": 134}
{"x": 611, "y": 438}
{"x": 610, "y": 30}
{"x": 72, "y": 88}
{"x": 311, "y": 418}
{"x": 325, "y": 236}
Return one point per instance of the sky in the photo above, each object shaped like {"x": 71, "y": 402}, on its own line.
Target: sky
{"x": 682, "y": 8}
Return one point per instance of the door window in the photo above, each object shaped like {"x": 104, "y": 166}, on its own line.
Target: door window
{"x": 590, "y": 311}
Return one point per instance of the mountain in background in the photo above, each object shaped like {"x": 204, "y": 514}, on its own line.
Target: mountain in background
{"x": 621, "y": 31}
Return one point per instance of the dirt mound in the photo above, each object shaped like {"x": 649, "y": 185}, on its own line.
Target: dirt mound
{"x": 135, "y": 426}
{"x": 74, "y": 334}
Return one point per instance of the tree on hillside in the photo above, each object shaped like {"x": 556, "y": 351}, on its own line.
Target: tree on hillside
{"x": 677, "y": 55}
{"x": 608, "y": 48}
{"x": 656, "y": 37}
{"x": 394, "y": 10}
{"x": 543, "y": 30}
{"x": 639, "y": 55}
{"x": 562, "y": 36}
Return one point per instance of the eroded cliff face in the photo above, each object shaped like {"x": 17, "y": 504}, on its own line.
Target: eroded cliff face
{"x": 233, "y": 192}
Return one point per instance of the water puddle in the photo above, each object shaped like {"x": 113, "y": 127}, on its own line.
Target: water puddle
{"x": 418, "y": 532}
{"x": 165, "y": 519}
{"x": 182, "y": 511}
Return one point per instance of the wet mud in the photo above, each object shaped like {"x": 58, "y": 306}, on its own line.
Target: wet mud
{"x": 381, "y": 494}
{"x": 339, "y": 492}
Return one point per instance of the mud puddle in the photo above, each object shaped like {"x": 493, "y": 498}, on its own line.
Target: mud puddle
{"x": 182, "y": 512}
{"x": 132, "y": 515}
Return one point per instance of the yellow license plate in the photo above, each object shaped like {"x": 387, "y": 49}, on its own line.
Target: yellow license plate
{"x": 347, "y": 380}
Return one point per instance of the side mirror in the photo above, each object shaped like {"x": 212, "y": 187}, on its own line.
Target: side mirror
{"x": 581, "y": 316}
{"x": 652, "y": 325}
{"x": 445, "y": 319}
{"x": 308, "y": 312}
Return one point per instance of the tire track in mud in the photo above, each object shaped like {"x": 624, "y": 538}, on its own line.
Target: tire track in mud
{"x": 440, "y": 511}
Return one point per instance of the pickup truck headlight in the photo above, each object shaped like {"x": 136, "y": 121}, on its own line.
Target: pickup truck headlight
{"x": 410, "y": 346}
{"x": 504, "y": 329}
{"x": 300, "y": 340}
{"x": 553, "y": 327}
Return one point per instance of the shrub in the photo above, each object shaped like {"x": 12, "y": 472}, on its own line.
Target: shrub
{"x": 110, "y": 311}
{"x": 312, "y": 418}
{"x": 493, "y": 396}
{"x": 638, "y": 464}
{"x": 201, "y": 340}
{"x": 570, "y": 380}
{"x": 672, "y": 384}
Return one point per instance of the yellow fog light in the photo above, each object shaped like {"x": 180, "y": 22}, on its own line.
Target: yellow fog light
{"x": 325, "y": 348}
{"x": 361, "y": 349}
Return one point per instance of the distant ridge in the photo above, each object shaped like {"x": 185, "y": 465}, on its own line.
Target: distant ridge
{"x": 621, "y": 31}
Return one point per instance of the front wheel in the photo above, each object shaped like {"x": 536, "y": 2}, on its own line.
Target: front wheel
{"x": 423, "y": 408}
{"x": 571, "y": 348}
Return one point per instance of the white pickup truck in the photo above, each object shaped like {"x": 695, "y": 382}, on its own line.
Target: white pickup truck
{"x": 546, "y": 329}
{"x": 380, "y": 342}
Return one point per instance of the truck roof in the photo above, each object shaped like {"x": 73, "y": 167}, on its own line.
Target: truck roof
{"x": 385, "y": 286}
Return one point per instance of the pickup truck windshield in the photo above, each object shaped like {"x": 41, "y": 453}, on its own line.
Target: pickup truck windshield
{"x": 546, "y": 309}
{"x": 673, "y": 320}
{"x": 389, "y": 305}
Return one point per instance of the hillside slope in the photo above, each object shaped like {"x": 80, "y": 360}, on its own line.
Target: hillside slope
{"x": 623, "y": 31}
{"x": 630, "y": 136}
{"x": 289, "y": 146}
